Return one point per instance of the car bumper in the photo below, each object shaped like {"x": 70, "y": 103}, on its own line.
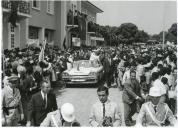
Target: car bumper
{"x": 81, "y": 81}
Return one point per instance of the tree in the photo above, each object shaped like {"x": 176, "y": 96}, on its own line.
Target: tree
{"x": 172, "y": 33}
{"x": 173, "y": 29}
{"x": 141, "y": 36}
{"x": 128, "y": 32}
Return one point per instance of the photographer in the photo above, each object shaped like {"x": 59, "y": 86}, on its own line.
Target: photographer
{"x": 104, "y": 112}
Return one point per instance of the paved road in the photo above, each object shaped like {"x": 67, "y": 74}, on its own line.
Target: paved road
{"x": 83, "y": 98}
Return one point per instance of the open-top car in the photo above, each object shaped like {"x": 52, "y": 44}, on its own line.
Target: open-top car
{"x": 83, "y": 72}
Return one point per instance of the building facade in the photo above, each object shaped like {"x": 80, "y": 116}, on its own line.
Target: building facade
{"x": 40, "y": 20}
{"x": 91, "y": 11}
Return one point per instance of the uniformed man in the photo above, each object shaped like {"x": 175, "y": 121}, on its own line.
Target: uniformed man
{"x": 61, "y": 117}
{"x": 154, "y": 113}
{"x": 11, "y": 103}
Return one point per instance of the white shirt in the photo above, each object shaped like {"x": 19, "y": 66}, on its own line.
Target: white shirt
{"x": 5, "y": 81}
{"x": 155, "y": 69}
{"x": 157, "y": 83}
{"x": 94, "y": 57}
{"x": 111, "y": 110}
{"x": 126, "y": 76}
{"x": 43, "y": 95}
{"x": 169, "y": 78}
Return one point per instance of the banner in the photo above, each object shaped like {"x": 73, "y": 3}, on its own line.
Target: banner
{"x": 97, "y": 38}
{"x": 33, "y": 42}
{"x": 41, "y": 55}
{"x": 51, "y": 43}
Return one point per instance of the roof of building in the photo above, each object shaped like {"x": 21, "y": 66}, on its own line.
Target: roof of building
{"x": 95, "y": 8}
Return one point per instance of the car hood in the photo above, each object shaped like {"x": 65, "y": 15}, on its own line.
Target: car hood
{"x": 82, "y": 71}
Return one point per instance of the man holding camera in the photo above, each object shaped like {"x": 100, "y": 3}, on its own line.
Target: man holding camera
{"x": 104, "y": 112}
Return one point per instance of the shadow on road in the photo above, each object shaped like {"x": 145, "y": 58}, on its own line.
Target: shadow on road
{"x": 85, "y": 85}
{"x": 58, "y": 91}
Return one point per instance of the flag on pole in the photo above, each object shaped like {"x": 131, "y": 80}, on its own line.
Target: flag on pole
{"x": 41, "y": 55}
{"x": 64, "y": 43}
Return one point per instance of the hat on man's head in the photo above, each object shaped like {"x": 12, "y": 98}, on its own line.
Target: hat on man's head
{"x": 67, "y": 111}
{"x": 155, "y": 92}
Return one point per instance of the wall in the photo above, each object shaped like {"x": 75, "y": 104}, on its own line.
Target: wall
{"x": 23, "y": 32}
{"x": 57, "y": 33}
{"x": 5, "y": 32}
{"x": 90, "y": 13}
{"x": 41, "y": 18}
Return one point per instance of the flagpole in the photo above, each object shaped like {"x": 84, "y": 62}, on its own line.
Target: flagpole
{"x": 164, "y": 24}
{"x": 163, "y": 38}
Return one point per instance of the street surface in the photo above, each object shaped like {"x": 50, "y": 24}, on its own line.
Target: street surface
{"x": 83, "y": 98}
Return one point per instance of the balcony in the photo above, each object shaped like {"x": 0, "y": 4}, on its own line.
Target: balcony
{"x": 23, "y": 9}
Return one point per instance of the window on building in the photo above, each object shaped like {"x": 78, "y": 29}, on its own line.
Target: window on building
{"x": 12, "y": 36}
{"x": 36, "y": 4}
{"x": 50, "y": 7}
{"x": 49, "y": 35}
{"x": 33, "y": 32}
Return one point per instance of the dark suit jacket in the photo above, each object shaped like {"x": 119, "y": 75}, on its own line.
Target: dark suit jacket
{"x": 131, "y": 91}
{"x": 106, "y": 65}
{"x": 36, "y": 109}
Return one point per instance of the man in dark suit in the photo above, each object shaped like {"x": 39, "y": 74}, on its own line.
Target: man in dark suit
{"x": 41, "y": 104}
{"x": 130, "y": 97}
{"x": 107, "y": 66}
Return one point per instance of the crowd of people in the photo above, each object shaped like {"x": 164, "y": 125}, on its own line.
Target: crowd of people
{"x": 146, "y": 75}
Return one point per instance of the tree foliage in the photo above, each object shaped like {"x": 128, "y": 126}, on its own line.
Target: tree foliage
{"x": 170, "y": 35}
{"x": 128, "y": 33}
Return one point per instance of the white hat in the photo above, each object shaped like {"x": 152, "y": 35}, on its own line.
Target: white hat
{"x": 155, "y": 92}
{"x": 67, "y": 111}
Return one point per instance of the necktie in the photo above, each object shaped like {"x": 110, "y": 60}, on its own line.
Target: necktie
{"x": 155, "y": 108}
{"x": 45, "y": 101}
{"x": 104, "y": 110}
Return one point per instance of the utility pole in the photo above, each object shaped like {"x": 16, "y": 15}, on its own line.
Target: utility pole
{"x": 164, "y": 10}
{"x": 110, "y": 39}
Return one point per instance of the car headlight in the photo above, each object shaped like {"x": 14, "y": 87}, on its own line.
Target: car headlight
{"x": 65, "y": 74}
{"x": 92, "y": 74}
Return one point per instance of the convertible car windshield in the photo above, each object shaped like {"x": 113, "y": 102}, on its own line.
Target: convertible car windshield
{"x": 86, "y": 64}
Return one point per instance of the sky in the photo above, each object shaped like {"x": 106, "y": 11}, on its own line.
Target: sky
{"x": 150, "y": 16}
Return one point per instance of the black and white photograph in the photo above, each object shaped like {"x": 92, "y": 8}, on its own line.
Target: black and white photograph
{"x": 88, "y": 63}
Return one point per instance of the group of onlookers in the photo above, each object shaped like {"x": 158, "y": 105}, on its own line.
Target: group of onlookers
{"x": 148, "y": 79}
